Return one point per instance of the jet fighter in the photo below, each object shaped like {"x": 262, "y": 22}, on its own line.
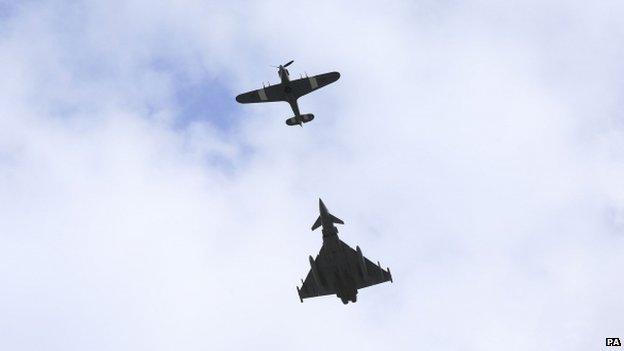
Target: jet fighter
{"x": 339, "y": 269}
{"x": 289, "y": 91}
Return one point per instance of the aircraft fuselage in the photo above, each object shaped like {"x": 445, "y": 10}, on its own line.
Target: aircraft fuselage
{"x": 341, "y": 274}
{"x": 292, "y": 101}
{"x": 284, "y": 75}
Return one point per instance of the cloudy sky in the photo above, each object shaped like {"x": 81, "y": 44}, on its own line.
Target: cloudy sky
{"x": 474, "y": 148}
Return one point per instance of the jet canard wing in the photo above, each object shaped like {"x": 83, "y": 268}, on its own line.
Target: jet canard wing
{"x": 367, "y": 272}
{"x": 271, "y": 93}
{"x": 303, "y": 86}
{"x": 315, "y": 283}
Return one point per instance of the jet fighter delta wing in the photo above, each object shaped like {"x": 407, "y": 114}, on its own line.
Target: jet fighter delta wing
{"x": 368, "y": 273}
{"x": 289, "y": 91}
{"x": 315, "y": 284}
{"x": 339, "y": 269}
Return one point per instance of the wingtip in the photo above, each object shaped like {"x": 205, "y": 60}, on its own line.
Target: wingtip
{"x": 299, "y": 294}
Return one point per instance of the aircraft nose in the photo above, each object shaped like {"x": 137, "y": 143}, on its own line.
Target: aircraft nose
{"x": 322, "y": 207}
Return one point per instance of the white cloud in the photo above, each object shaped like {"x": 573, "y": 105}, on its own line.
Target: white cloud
{"x": 473, "y": 148}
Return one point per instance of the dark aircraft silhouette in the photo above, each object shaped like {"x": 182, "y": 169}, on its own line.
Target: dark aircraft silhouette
{"x": 338, "y": 269}
{"x": 289, "y": 91}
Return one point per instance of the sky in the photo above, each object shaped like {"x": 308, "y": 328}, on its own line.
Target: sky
{"x": 474, "y": 147}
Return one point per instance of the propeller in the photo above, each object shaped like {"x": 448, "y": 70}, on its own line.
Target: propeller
{"x": 284, "y": 65}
